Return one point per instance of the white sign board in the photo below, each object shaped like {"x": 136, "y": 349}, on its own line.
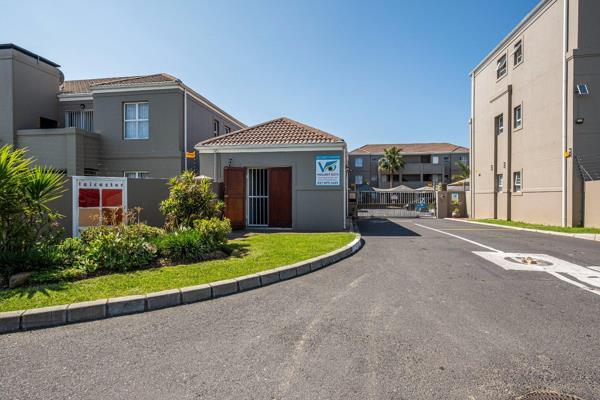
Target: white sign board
{"x": 98, "y": 201}
{"x": 327, "y": 172}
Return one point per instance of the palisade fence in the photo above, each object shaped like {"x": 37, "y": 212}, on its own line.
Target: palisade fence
{"x": 401, "y": 203}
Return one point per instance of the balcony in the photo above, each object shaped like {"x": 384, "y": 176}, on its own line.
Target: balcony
{"x": 72, "y": 150}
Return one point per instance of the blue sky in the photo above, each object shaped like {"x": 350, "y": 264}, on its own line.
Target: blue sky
{"x": 368, "y": 71}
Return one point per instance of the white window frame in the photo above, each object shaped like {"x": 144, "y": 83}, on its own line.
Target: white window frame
{"x": 227, "y": 129}
{"x": 138, "y": 174}
{"x": 462, "y": 158}
{"x": 499, "y": 183}
{"x": 137, "y": 120}
{"x": 502, "y": 67}
{"x": 499, "y": 124}
{"x": 435, "y": 159}
{"x": 358, "y": 180}
{"x": 518, "y": 122}
{"x": 216, "y": 127}
{"x": 358, "y": 162}
{"x": 517, "y": 183}
{"x": 518, "y": 58}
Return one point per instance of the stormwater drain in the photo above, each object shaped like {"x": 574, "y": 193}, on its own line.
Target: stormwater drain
{"x": 545, "y": 395}
{"x": 528, "y": 260}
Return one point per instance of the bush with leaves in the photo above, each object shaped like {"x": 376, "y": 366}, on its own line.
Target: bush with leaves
{"x": 190, "y": 198}
{"x": 111, "y": 248}
{"x": 193, "y": 244}
{"x": 28, "y": 227}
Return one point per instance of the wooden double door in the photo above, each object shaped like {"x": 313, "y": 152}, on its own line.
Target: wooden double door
{"x": 258, "y": 196}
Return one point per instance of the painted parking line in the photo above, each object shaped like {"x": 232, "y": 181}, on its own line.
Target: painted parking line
{"x": 586, "y": 278}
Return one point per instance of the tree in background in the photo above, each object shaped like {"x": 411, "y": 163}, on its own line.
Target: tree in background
{"x": 463, "y": 173}
{"x": 190, "y": 198}
{"x": 27, "y": 224}
{"x": 392, "y": 162}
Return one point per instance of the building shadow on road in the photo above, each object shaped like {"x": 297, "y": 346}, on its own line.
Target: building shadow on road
{"x": 383, "y": 227}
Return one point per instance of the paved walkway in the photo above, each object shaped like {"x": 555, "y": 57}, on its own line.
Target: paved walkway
{"x": 414, "y": 315}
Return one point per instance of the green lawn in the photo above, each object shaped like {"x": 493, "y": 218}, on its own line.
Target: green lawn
{"x": 252, "y": 254}
{"x": 540, "y": 227}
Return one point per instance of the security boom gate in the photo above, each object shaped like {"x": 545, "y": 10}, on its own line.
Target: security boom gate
{"x": 417, "y": 203}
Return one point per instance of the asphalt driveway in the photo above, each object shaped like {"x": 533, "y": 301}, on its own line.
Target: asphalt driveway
{"x": 414, "y": 315}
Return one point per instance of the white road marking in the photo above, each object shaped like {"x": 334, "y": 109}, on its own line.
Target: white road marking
{"x": 461, "y": 238}
{"x": 588, "y": 275}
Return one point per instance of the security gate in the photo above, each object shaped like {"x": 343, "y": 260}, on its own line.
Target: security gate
{"x": 258, "y": 197}
{"x": 396, "y": 204}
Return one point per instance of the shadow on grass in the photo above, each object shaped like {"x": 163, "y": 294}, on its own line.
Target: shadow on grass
{"x": 233, "y": 249}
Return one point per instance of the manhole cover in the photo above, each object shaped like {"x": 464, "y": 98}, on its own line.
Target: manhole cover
{"x": 545, "y": 395}
{"x": 528, "y": 260}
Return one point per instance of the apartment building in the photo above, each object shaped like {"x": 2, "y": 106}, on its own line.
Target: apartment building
{"x": 535, "y": 116}
{"x": 134, "y": 126}
{"x": 426, "y": 164}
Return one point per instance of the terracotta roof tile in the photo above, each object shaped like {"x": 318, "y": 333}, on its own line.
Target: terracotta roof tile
{"x": 409, "y": 148}
{"x": 275, "y": 132}
{"x": 85, "y": 85}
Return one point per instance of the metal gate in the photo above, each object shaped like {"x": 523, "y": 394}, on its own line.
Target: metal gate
{"x": 258, "y": 197}
{"x": 396, "y": 204}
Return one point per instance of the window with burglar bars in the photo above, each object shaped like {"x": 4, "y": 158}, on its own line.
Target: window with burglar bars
{"x": 80, "y": 119}
{"x": 258, "y": 197}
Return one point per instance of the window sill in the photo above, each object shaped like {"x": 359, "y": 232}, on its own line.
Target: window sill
{"x": 518, "y": 64}
{"x": 517, "y": 193}
{"x": 518, "y": 129}
{"x": 502, "y": 77}
{"x": 136, "y": 138}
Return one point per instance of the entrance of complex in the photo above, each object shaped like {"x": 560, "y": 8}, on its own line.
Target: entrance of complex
{"x": 258, "y": 197}
{"x": 413, "y": 203}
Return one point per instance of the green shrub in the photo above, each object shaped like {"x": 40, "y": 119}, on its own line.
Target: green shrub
{"x": 28, "y": 227}
{"x": 116, "y": 248}
{"x": 192, "y": 245}
{"x": 190, "y": 198}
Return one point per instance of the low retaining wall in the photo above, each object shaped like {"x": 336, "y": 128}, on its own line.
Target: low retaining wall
{"x": 92, "y": 310}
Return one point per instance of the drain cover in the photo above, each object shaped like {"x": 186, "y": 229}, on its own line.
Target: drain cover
{"x": 545, "y": 395}
{"x": 528, "y": 260}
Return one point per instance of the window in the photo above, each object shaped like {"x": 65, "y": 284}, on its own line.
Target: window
{"x": 501, "y": 67}
{"x": 435, "y": 160}
{"x": 517, "y": 182}
{"x": 358, "y": 179}
{"x": 462, "y": 159}
{"x": 358, "y": 162}
{"x": 426, "y": 159}
{"x": 215, "y": 127}
{"x": 227, "y": 129}
{"x": 80, "y": 119}
{"x": 518, "y": 53}
{"x": 136, "y": 120}
{"x": 518, "y": 117}
{"x": 499, "y": 182}
{"x": 374, "y": 178}
{"x": 135, "y": 174}
{"x": 499, "y": 124}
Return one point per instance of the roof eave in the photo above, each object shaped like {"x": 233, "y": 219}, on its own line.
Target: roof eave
{"x": 257, "y": 148}
{"x": 533, "y": 13}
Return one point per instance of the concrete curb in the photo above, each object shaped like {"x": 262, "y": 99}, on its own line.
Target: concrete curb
{"x": 585, "y": 236}
{"x": 36, "y": 318}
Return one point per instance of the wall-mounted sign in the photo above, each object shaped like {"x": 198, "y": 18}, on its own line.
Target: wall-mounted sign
{"x": 98, "y": 201}
{"x": 328, "y": 170}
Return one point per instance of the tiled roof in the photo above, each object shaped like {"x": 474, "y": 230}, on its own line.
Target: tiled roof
{"x": 279, "y": 131}
{"x": 409, "y": 148}
{"x": 85, "y": 85}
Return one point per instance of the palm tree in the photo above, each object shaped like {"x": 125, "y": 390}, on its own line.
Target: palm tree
{"x": 391, "y": 161}
{"x": 464, "y": 172}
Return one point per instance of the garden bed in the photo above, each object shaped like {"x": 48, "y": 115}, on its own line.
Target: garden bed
{"x": 251, "y": 254}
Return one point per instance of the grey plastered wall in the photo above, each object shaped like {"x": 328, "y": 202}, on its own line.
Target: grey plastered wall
{"x": 68, "y": 149}
{"x": 314, "y": 208}
{"x": 161, "y": 154}
{"x": 144, "y": 193}
{"x": 28, "y": 89}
